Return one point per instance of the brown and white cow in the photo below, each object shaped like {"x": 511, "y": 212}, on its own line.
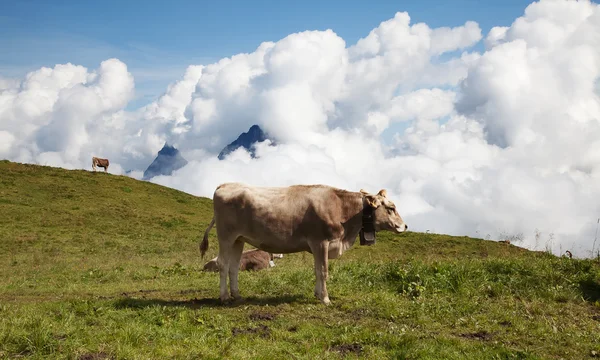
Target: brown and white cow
{"x": 319, "y": 219}
{"x": 254, "y": 259}
{"x": 103, "y": 163}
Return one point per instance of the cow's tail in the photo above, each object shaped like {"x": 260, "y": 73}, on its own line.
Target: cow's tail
{"x": 204, "y": 243}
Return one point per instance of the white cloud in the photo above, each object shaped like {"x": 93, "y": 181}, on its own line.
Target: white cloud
{"x": 499, "y": 142}
{"x": 447, "y": 39}
{"x": 8, "y": 83}
{"x": 496, "y": 35}
{"x": 56, "y": 116}
{"x": 6, "y": 143}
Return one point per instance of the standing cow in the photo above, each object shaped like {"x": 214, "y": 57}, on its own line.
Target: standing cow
{"x": 103, "y": 163}
{"x": 319, "y": 219}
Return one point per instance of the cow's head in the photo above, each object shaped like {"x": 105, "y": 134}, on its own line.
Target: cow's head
{"x": 384, "y": 211}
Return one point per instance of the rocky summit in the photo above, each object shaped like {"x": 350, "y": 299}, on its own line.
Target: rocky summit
{"x": 254, "y": 135}
{"x": 168, "y": 160}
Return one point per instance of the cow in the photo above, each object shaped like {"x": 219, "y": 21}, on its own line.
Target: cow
{"x": 254, "y": 259}
{"x": 103, "y": 163}
{"x": 318, "y": 219}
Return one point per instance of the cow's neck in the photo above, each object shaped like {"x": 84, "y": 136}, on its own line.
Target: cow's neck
{"x": 353, "y": 205}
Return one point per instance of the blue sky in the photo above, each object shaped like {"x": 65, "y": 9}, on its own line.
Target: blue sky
{"x": 159, "y": 39}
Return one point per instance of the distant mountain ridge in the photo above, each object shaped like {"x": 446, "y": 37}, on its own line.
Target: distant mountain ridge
{"x": 254, "y": 135}
{"x": 168, "y": 160}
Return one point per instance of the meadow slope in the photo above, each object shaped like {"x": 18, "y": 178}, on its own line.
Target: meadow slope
{"x": 94, "y": 265}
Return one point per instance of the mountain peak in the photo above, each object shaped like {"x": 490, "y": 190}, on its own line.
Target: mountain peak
{"x": 254, "y": 135}
{"x": 168, "y": 150}
{"x": 254, "y": 128}
{"x": 168, "y": 160}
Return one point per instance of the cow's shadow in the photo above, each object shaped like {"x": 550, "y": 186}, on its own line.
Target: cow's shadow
{"x": 136, "y": 303}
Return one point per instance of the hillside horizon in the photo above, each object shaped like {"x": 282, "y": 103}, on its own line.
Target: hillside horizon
{"x": 514, "y": 239}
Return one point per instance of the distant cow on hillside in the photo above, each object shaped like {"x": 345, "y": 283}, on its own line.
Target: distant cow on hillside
{"x": 103, "y": 163}
{"x": 254, "y": 259}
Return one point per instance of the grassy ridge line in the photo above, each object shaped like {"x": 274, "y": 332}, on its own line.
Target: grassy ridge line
{"x": 94, "y": 265}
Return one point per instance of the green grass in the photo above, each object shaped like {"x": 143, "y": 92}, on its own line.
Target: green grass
{"x": 95, "y": 266}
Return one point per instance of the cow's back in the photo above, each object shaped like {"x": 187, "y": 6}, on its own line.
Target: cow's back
{"x": 277, "y": 219}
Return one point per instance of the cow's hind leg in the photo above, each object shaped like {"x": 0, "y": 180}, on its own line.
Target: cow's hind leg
{"x": 320, "y": 250}
{"x": 223, "y": 261}
{"x": 234, "y": 267}
{"x": 222, "y": 265}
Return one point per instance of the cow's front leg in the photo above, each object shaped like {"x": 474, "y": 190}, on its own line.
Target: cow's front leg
{"x": 319, "y": 251}
{"x": 234, "y": 268}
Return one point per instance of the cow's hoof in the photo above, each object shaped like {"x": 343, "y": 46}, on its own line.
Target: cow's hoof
{"x": 225, "y": 299}
{"x": 325, "y": 300}
{"x": 237, "y": 297}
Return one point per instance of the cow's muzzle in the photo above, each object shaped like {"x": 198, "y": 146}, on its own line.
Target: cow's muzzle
{"x": 402, "y": 228}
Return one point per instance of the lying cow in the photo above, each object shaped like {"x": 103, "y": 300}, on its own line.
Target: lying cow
{"x": 254, "y": 259}
{"x": 103, "y": 163}
{"x": 319, "y": 219}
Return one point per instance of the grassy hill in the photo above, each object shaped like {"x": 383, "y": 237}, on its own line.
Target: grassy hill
{"x": 96, "y": 266}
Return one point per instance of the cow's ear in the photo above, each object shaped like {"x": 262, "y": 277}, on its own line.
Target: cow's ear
{"x": 382, "y": 192}
{"x": 373, "y": 201}
{"x": 363, "y": 191}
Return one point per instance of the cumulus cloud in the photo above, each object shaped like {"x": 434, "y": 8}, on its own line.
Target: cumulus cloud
{"x": 497, "y": 143}
{"x": 57, "y": 116}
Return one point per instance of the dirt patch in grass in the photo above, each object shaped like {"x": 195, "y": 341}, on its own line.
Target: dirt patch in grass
{"x": 348, "y": 348}
{"x": 358, "y": 314}
{"x": 261, "y": 330}
{"x": 262, "y": 316}
{"x": 95, "y": 356}
{"x": 480, "y": 335}
{"x": 141, "y": 292}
